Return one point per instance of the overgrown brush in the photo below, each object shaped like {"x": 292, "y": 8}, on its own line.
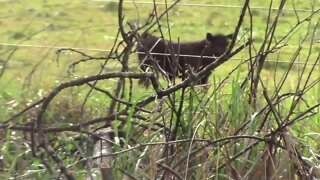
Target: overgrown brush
{"x": 249, "y": 125}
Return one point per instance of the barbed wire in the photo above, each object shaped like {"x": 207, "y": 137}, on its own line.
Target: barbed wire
{"x": 163, "y": 54}
{"x": 203, "y": 5}
{"x": 51, "y": 47}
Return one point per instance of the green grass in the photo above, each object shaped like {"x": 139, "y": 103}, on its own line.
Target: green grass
{"x": 94, "y": 25}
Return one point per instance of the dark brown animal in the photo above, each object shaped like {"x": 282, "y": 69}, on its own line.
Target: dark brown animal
{"x": 173, "y": 58}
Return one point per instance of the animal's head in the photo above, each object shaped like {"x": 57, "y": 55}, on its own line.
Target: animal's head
{"x": 219, "y": 43}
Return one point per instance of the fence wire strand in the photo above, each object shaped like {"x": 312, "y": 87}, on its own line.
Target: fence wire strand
{"x": 203, "y": 5}
{"x": 164, "y": 54}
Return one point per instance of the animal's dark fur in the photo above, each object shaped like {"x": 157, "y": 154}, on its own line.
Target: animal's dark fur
{"x": 175, "y": 65}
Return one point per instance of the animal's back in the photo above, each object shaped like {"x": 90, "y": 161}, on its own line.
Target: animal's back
{"x": 149, "y": 42}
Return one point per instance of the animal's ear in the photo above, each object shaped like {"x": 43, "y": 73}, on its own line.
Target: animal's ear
{"x": 229, "y": 36}
{"x": 209, "y": 37}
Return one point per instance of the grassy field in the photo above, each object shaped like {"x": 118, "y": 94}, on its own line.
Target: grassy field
{"x": 93, "y": 25}
{"x": 32, "y": 32}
